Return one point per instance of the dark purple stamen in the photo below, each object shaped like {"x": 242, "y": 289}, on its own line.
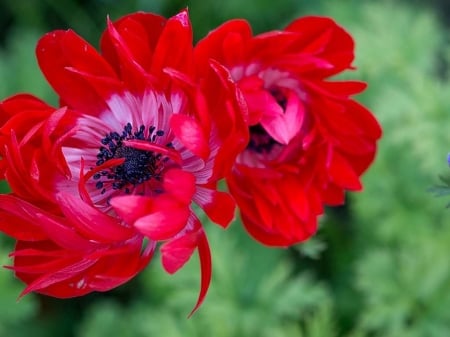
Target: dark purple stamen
{"x": 260, "y": 140}
{"x": 139, "y": 165}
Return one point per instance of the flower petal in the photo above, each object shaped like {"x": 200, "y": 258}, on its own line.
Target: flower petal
{"x": 170, "y": 55}
{"x": 206, "y": 270}
{"x": 175, "y": 253}
{"x": 63, "y": 274}
{"x": 61, "y": 49}
{"x": 342, "y": 173}
{"x": 218, "y": 206}
{"x": 180, "y": 184}
{"x": 163, "y": 224}
{"x": 191, "y": 134}
{"x": 131, "y": 207}
{"x": 284, "y": 126}
{"x": 92, "y": 223}
{"x": 140, "y": 33}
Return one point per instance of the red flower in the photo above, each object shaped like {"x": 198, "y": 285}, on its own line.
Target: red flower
{"x": 98, "y": 182}
{"x": 309, "y": 141}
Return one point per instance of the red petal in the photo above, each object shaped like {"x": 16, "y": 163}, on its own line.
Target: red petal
{"x": 323, "y": 37}
{"x": 337, "y": 89}
{"x": 14, "y": 223}
{"x": 176, "y": 252}
{"x": 163, "y": 224}
{"x": 132, "y": 207}
{"x": 131, "y": 72}
{"x": 53, "y": 226}
{"x": 342, "y": 174}
{"x": 230, "y": 36}
{"x": 92, "y": 223}
{"x": 180, "y": 184}
{"x": 174, "y": 55}
{"x": 205, "y": 265}
{"x": 140, "y": 33}
{"x": 218, "y": 206}
{"x": 63, "y": 274}
{"x": 191, "y": 134}
{"x": 19, "y": 103}
{"x": 61, "y": 49}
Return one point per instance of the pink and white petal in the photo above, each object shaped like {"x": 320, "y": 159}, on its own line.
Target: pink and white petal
{"x": 261, "y": 103}
{"x": 283, "y": 127}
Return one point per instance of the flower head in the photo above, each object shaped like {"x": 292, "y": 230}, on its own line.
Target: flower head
{"x": 98, "y": 182}
{"x": 309, "y": 140}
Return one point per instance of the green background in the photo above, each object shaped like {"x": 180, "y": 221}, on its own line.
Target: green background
{"x": 379, "y": 266}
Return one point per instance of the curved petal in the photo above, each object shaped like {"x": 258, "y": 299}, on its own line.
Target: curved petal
{"x": 12, "y": 224}
{"x": 218, "y": 206}
{"x": 342, "y": 173}
{"x": 59, "y": 50}
{"x": 51, "y": 225}
{"x": 140, "y": 32}
{"x": 180, "y": 184}
{"x": 92, "y": 223}
{"x": 131, "y": 207}
{"x": 63, "y": 274}
{"x": 175, "y": 253}
{"x": 284, "y": 126}
{"x": 206, "y": 270}
{"x": 191, "y": 134}
{"x": 232, "y": 35}
{"x": 322, "y": 36}
{"x": 163, "y": 223}
{"x": 174, "y": 55}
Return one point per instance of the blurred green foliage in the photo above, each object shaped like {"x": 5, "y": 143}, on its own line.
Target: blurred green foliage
{"x": 378, "y": 266}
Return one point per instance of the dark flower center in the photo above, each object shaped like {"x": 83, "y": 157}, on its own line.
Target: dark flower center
{"x": 260, "y": 140}
{"x": 280, "y": 97}
{"x": 139, "y": 165}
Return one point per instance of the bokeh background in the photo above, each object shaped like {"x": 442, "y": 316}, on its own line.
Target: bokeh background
{"x": 379, "y": 266}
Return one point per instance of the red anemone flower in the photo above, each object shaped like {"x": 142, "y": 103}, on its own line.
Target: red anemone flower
{"x": 309, "y": 141}
{"x": 99, "y": 181}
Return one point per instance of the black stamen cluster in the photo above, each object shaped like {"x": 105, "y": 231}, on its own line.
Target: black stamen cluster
{"x": 139, "y": 165}
{"x": 260, "y": 140}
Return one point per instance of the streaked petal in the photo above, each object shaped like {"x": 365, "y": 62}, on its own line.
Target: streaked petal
{"x": 91, "y": 222}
